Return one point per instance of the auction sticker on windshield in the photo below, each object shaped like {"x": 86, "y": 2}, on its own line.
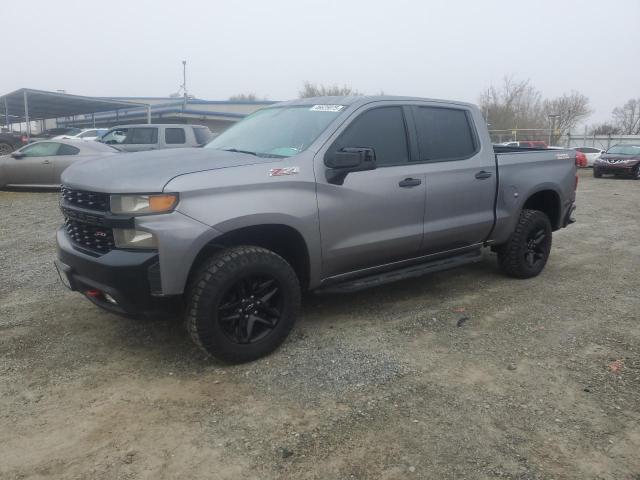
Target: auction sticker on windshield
{"x": 326, "y": 108}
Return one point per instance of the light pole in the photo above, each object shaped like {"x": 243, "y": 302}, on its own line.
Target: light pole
{"x": 552, "y": 121}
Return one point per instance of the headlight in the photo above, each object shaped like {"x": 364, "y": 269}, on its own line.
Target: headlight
{"x": 130, "y": 238}
{"x": 141, "y": 204}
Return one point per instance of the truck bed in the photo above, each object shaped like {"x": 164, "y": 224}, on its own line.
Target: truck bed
{"x": 524, "y": 169}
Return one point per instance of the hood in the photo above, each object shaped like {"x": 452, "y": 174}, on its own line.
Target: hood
{"x": 150, "y": 171}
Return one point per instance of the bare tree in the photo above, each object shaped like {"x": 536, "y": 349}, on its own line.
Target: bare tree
{"x": 513, "y": 104}
{"x": 244, "y": 97}
{"x": 604, "y": 129}
{"x": 313, "y": 90}
{"x": 570, "y": 109}
{"x": 627, "y": 117}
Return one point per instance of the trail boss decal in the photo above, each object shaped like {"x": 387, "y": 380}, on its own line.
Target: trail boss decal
{"x": 327, "y": 108}
{"x": 562, "y": 156}
{"x": 280, "y": 172}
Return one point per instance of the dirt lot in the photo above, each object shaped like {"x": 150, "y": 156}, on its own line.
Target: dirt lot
{"x": 542, "y": 381}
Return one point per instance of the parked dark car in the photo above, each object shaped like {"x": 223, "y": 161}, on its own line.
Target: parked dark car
{"x": 11, "y": 141}
{"x": 619, "y": 160}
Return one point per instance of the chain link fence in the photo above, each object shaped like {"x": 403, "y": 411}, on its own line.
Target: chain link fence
{"x": 602, "y": 142}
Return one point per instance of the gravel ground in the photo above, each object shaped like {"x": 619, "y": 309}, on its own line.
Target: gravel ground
{"x": 541, "y": 381}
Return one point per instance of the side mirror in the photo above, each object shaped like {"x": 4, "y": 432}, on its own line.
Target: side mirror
{"x": 18, "y": 155}
{"x": 347, "y": 160}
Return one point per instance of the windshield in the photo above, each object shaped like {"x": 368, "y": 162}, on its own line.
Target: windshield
{"x": 278, "y": 131}
{"x": 625, "y": 149}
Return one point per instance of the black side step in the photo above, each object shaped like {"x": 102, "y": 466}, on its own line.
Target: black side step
{"x": 413, "y": 271}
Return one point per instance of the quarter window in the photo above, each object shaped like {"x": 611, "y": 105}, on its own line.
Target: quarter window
{"x": 174, "y": 136}
{"x": 382, "y": 129}
{"x": 443, "y": 134}
{"x": 67, "y": 150}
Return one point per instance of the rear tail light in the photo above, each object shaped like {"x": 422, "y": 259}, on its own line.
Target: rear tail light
{"x": 581, "y": 159}
{"x": 575, "y": 187}
{"x": 24, "y": 139}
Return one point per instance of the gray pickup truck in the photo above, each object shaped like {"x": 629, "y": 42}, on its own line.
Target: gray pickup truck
{"x": 330, "y": 194}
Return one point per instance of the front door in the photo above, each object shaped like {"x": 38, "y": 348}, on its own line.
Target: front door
{"x": 35, "y": 167}
{"x": 374, "y": 217}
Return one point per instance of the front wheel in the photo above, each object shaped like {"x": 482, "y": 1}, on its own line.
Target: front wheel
{"x": 242, "y": 304}
{"x": 527, "y": 251}
{"x": 636, "y": 172}
{"x": 597, "y": 173}
{"x": 5, "y": 148}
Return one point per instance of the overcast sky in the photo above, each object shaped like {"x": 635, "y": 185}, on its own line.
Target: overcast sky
{"x": 441, "y": 49}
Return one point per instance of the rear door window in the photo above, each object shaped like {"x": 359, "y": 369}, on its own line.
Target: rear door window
{"x": 173, "y": 136}
{"x": 382, "y": 129}
{"x": 142, "y": 135}
{"x": 444, "y": 134}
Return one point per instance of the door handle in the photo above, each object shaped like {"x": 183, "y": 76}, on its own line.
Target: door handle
{"x": 482, "y": 174}
{"x": 46, "y": 162}
{"x": 410, "y": 182}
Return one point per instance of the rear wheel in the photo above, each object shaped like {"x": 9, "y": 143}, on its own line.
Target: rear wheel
{"x": 242, "y": 304}
{"x": 525, "y": 254}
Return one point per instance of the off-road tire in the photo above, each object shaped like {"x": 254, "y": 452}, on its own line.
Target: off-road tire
{"x": 511, "y": 255}
{"x": 597, "y": 173}
{"x": 216, "y": 276}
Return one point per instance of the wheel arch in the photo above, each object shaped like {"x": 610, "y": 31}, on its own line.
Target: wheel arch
{"x": 547, "y": 201}
{"x": 280, "y": 238}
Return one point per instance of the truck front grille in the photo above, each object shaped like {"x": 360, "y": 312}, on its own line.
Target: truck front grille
{"x": 92, "y": 237}
{"x": 90, "y": 200}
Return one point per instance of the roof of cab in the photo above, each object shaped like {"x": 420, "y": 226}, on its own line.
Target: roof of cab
{"x": 168, "y": 125}
{"x": 358, "y": 100}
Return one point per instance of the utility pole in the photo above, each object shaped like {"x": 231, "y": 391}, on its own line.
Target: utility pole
{"x": 552, "y": 120}
{"x": 184, "y": 83}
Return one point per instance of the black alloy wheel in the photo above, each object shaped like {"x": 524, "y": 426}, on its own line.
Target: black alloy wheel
{"x": 537, "y": 248}
{"x": 251, "y": 308}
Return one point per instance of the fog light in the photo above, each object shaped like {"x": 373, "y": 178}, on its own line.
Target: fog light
{"x": 110, "y": 299}
{"x": 130, "y": 238}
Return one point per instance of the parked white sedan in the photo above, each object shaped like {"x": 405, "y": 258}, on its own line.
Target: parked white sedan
{"x": 86, "y": 134}
{"x": 40, "y": 164}
{"x": 591, "y": 153}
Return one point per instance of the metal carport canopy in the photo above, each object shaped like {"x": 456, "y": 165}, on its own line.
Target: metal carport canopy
{"x": 27, "y": 104}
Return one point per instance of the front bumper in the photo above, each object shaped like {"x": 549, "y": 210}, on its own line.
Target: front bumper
{"x": 616, "y": 168}
{"x": 121, "y": 281}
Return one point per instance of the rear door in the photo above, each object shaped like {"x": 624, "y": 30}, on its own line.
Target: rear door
{"x": 460, "y": 178}
{"x": 374, "y": 217}
{"x": 35, "y": 168}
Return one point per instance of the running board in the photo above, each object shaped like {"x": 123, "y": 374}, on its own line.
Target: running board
{"x": 402, "y": 273}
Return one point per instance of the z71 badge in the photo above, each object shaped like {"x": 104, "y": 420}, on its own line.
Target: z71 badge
{"x": 279, "y": 172}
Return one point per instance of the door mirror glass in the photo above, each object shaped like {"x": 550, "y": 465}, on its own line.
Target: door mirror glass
{"x": 18, "y": 155}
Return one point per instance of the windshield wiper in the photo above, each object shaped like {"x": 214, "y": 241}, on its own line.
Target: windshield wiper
{"x": 238, "y": 151}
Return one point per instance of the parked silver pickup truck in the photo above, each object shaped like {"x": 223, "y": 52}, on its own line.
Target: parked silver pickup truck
{"x": 328, "y": 194}
{"x": 137, "y": 138}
